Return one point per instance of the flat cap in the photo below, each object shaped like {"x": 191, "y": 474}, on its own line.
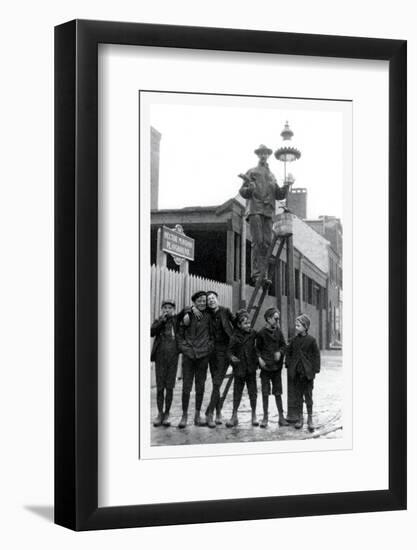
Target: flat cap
{"x": 168, "y": 302}
{"x": 197, "y": 295}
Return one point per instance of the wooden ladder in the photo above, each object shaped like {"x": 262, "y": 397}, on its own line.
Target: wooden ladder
{"x": 273, "y": 254}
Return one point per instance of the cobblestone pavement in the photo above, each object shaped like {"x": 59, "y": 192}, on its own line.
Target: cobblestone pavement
{"x": 327, "y": 414}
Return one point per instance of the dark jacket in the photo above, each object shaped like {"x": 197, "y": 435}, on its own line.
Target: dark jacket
{"x": 243, "y": 346}
{"x": 304, "y": 350}
{"x": 268, "y": 342}
{"x": 265, "y": 191}
{"x": 196, "y": 340}
{"x": 165, "y": 333}
{"x": 227, "y": 323}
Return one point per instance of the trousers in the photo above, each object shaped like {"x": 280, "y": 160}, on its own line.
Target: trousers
{"x": 193, "y": 369}
{"x": 269, "y": 378}
{"x": 218, "y": 367}
{"x": 261, "y": 232}
{"x": 303, "y": 391}
{"x": 239, "y": 383}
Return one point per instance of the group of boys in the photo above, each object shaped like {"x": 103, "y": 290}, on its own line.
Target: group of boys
{"x": 211, "y": 338}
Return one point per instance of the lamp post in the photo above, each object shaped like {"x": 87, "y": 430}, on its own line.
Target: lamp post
{"x": 287, "y": 153}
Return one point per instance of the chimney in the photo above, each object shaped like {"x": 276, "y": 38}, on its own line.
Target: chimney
{"x": 297, "y": 202}
{"x": 155, "y": 142}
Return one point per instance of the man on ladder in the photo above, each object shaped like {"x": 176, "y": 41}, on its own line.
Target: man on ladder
{"x": 261, "y": 190}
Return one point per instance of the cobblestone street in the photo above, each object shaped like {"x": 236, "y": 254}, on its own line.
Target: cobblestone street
{"x": 327, "y": 414}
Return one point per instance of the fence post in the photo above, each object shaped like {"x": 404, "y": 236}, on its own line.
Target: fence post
{"x": 187, "y": 293}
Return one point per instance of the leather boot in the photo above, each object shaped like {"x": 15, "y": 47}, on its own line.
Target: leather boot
{"x": 209, "y": 420}
{"x": 165, "y": 421}
{"x": 233, "y": 421}
{"x": 310, "y": 424}
{"x": 198, "y": 421}
{"x": 158, "y": 420}
{"x": 219, "y": 419}
{"x": 300, "y": 422}
{"x": 183, "y": 421}
{"x": 264, "y": 421}
{"x": 282, "y": 421}
{"x": 254, "y": 419}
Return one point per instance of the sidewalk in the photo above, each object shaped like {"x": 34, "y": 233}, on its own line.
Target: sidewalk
{"x": 327, "y": 411}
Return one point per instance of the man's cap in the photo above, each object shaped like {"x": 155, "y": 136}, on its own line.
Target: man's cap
{"x": 212, "y": 292}
{"x": 263, "y": 149}
{"x": 304, "y": 320}
{"x": 168, "y": 303}
{"x": 270, "y": 312}
{"x": 197, "y": 295}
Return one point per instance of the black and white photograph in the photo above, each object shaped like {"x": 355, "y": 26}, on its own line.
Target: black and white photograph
{"x": 250, "y": 214}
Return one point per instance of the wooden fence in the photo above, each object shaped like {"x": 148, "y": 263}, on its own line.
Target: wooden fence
{"x": 166, "y": 283}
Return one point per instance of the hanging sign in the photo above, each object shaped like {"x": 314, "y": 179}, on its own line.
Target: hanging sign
{"x": 176, "y": 243}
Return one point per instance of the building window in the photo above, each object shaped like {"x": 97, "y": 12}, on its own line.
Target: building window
{"x": 248, "y": 263}
{"x": 310, "y": 290}
{"x": 297, "y": 284}
{"x": 317, "y": 301}
{"x": 237, "y": 251}
{"x": 340, "y": 277}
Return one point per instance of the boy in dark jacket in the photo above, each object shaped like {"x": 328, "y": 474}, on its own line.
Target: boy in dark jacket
{"x": 165, "y": 354}
{"x": 222, "y": 320}
{"x": 244, "y": 358}
{"x": 271, "y": 347}
{"x": 195, "y": 342}
{"x": 303, "y": 363}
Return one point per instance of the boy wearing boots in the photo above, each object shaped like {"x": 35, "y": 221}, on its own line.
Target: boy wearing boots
{"x": 244, "y": 358}
{"x": 222, "y": 319}
{"x": 195, "y": 342}
{"x": 165, "y": 354}
{"x": 303, "y": 363}
{"x": 271, "y": 346}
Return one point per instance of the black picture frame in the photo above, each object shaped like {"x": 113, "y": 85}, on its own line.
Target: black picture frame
{"x": 76, "y": 272}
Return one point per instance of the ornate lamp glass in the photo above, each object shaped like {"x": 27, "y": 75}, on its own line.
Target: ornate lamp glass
{"x": 283, "y": 224}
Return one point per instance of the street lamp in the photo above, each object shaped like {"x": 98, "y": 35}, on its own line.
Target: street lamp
{"x": 286, "y": 153}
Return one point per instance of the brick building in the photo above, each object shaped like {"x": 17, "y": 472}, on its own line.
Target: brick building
{"x": 331, "y": 229}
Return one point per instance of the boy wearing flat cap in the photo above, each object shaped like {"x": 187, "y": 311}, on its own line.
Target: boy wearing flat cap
{"x": 261, "y": 190}
{"x": 195, "y": 342}
{"x": 271, "y": 346}
{"x": 165, "y": 354}
{"x": 243, "y": 355}
{"x": 303, "y": 363}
